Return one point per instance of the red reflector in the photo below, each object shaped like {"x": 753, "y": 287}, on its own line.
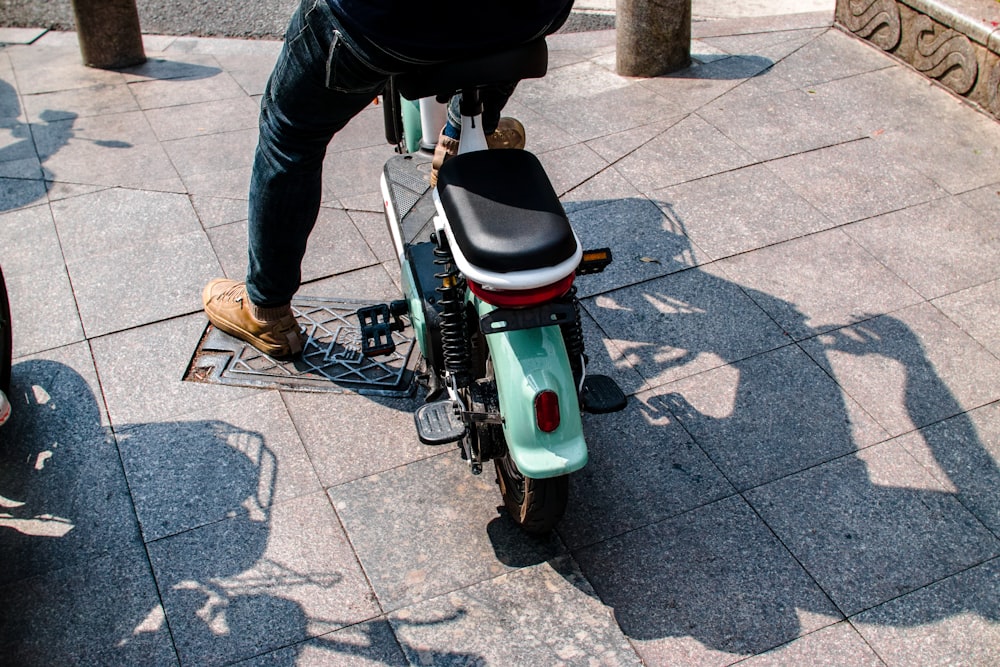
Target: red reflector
{"x": 547, "y": 410}
{"x": 522, "y": 298}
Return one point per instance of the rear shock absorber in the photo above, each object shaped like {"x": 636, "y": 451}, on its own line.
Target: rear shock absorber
{"x": 572, "y": 333}
{"x": 454, "y": 339}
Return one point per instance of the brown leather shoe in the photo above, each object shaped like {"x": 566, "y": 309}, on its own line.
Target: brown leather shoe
{"x": 273, "y": 331}
{"x": 509, "y": 134}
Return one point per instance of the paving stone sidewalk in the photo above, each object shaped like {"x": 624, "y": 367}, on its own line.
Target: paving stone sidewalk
{"x": 803, "y": 310}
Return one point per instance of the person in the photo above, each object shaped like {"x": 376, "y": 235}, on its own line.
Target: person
{"x": 337, "y": 56}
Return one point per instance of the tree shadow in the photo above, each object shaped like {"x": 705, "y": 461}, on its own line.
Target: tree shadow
{"x": 194, "y": 501}
{"x": 747, "y": 498}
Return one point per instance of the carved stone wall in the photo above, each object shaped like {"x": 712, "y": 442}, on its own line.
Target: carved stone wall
{"x": 956, "y": 44}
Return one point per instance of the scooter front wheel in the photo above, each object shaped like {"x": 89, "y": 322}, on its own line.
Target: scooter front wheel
{"x": 536, "y": 505}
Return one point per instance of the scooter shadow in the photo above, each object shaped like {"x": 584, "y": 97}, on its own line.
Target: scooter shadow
{"x": 744, "y": 498}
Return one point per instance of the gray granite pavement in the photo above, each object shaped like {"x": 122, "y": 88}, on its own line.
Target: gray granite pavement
{"x": 803, "y": 310}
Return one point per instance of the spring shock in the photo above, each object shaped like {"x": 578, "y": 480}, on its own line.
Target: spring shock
{"x": 454, "y": 341}
{"x": 573, "y": 338}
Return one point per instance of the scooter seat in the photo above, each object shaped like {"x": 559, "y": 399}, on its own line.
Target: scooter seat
{"x": 503, "y": 212}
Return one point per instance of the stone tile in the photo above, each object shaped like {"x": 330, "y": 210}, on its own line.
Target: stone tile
{"x": 227, "y": 183}
{"x": 20, "y": 35}
{"x": 138, "y": 166}
{"x": 817, "y": 283}
{"x": 985, "y": 200}
{"x": 47, "y": 67}
{"x": 568, "y": 168}
{"x": 205, "y": 118}
{"x": 234, "y": 459}
{"x": 963, "y": 454}
{"x": 106, "y": 611}
{"x": 974, "y": 311}
{"x": 213, "y": 153}
{"x": 614, "y": 146}
{"x": 377, "y": 434}
{"x": 940, "y": 247}
{"x": 601, "y": 101}
{"x": 604, "y": 187}
{"x": 17, "y": 144}
{"x": 335, "y": 246}
{"x": 90, "y": 225}
{"x": 684, "y": 324}
{"x": 353, "y": 172}
{"x": 701, "y": 82}
{"x": 368, "y": 644}
{"x": 463, "y": 627}
{"x": 252, "y": 584}
{"x": 162, "y": 67}
{"x": 112, "y": 131}
{"x": 158, "y": 355}
{"x": 604, "y": 358}
{"x": 544, "y": 133}
{"x": 708, "y": 587}
{"x": 645, "y": 243}
{"x": 31, "y": 242}
{"x": 949, "y": 142}
{"x": 431, "y": 528}
{"x": 375, "y": 283}
{"x": 216, "y": 211}
{"x": 208, "y": 85}
{"x": 758, "y": 419}
{"x": 28, "y": 168}
{"x": 770, "y": 126}
{"x": 951, "y": 621}
{"x": 715, "y": 212}
{"x": 643, "y": 468}
{"x": 79, "y": 103}
{"x": 365, "y": 130}
{"x": 230, "y": 245}
{"x": 690, "y": 149}
{"x": 251, "y": 71}
{"x": 143, "y": 284}
{"x": 831, "y": 55}
{"x": 854, "y": 181}
{"x": 65, "y": 500}
{"x": 872, "y": 526}
{"x": 42, "y": 323}
{"x": 909, "y": 369}
{"x": 838, "y": 645}
{"x": 775, "y": 46}
{"x": 375, "y": 232}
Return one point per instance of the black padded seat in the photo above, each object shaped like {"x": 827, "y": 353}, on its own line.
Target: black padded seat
{"x": 503, "y": 212}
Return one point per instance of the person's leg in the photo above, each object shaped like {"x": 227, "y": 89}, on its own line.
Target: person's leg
{"x": 318, "y": 84}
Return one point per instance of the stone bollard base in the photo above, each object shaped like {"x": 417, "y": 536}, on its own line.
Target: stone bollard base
{"x": 109, "y": 33}
{"x": 653, "y": 36}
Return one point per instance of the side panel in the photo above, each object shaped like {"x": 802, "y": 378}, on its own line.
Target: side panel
{"x": 525, "y": 363}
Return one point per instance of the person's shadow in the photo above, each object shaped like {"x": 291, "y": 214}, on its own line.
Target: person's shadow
{"x": 76, "y": 575}
{"x": 748, "y": 494}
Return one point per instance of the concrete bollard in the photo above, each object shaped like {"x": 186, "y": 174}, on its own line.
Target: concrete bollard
{"x": 653, "y": 36}
{"x": 109, "y": 34}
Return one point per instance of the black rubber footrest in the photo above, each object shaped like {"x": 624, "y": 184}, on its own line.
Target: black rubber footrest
{"x": 438, "y": 423}
{"x": 602, "y": 395}
{"x": 377, "y": 324}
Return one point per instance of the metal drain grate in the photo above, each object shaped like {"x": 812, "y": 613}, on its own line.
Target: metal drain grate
{"x": 331, "y": 360}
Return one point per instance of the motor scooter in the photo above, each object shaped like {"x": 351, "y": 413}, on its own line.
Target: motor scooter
{"x": 488, "y": 263}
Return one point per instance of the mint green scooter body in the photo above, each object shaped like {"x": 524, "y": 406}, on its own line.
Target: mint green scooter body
{"x": 526, "y": 362}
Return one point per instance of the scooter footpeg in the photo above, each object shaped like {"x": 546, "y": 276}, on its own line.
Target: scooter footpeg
{"x": 439, "y": 423}
{"x": 377, "y": 324}
{"x": 602, "y": 395}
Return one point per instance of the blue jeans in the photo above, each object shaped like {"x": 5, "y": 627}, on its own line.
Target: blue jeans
{"x": 320, "y": 81}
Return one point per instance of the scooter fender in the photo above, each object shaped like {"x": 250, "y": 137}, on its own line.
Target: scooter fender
{"x": 526, "y": 362}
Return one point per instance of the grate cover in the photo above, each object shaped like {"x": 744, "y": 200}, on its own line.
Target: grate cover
{"x": 331, "y": 360}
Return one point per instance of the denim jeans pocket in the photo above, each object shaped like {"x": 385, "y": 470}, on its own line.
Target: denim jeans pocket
{"x": 346, "y": 72}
